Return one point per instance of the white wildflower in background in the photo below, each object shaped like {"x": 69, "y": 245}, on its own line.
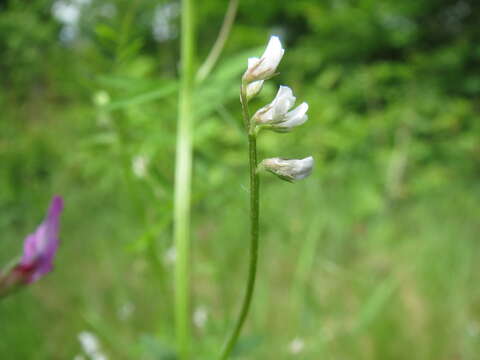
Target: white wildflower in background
{"x": 289, "y": 169}
{"x": 296, "y": 346}
{"x": 91, "y": 345}
{"x": 163, "y": 25}
{"x": 140, "y": 165}
{"x": 200, "y": 317}
{"x": 265, "y": 67}
{"x": 68, "y": 13}
{"x": 101, "y": 98}
{"x": 277, "y": 114}
{"x": 170, "y": 256}
{"x": 125, "y": 311}
{"x": 88, "y": 341}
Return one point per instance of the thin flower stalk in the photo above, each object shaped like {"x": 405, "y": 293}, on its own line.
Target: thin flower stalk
{"x": 254, "y": 225}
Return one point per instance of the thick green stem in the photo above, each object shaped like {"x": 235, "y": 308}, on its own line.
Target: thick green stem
{"x": 254, "y": 228}
{"x": 183, "y": 174}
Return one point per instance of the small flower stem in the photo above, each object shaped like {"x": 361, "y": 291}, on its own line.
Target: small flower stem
{"x": 183, "y": 174}
{"x": 254, "y": 228}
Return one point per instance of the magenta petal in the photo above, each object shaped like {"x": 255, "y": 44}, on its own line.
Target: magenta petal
{"x": 40, "y": 247}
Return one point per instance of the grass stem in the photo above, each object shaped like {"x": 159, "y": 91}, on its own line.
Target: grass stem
{"x": 183, "y": 174}
{"x": 217, "y": 48}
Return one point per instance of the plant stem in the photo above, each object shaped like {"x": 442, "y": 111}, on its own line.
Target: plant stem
{"x": 183, "y": 172}
{"x": 254, "y": 227}
{"x": 217, "y": 48}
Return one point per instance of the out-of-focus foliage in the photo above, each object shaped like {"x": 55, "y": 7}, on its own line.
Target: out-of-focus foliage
{"x": 375, "y": 256}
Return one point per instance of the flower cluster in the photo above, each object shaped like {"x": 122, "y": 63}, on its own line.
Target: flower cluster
{"x": 278, "y": 115}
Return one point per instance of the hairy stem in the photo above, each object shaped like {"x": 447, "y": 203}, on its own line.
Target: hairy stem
{"x": 254, "y": 227}
{"x": 183, "y": 172}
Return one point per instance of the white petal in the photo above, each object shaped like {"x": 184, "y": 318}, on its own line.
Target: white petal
{"x": 295, "y": 117}
{"x": 289, "y": 169}
{"x": 303, "y": 167}
{"x": 273, "y": 53}
{"x": 277, "y": 109}
{"x": 299, "y": 111}
{"x": 265, "y": 67}
{"x": 252, "y": 62}
{"x": 283, "y": 101}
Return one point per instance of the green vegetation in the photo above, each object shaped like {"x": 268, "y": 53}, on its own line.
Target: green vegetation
{"x": 375, "y": 256}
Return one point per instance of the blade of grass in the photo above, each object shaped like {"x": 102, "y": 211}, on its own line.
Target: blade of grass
{"x": 143, "y": 98}
{"x": 217, "y": 48}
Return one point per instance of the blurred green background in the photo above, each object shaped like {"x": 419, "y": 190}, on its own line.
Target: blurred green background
{"x": 375, "y": 256}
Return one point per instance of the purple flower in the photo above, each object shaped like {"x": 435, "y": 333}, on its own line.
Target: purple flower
{"x": 40, "y": 247}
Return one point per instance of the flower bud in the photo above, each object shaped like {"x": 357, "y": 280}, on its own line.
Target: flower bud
{"x": 39, "y": 249}
{"x": 276, "y": 115}
{"x": 265, "y": 67}
{"x": 254, "y": 88}
{"x": 288, "y": 169}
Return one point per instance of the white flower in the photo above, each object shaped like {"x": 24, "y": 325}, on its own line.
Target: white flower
{"x": 66, "y": 12}
{"x": 125, "y": 311}
{"x": 140, "y": 165}
{"x": 91, "y": 345}
{"x": 276, "y": 115}
{"x": 88, "y": 341}
{"x": 170, "y": 256}
{"x": 163, "y": 25}
{"x": 265, "y": 67}
{"x": 276, "y": 110}
{"x": 200, "y": 317}
{"x": 296, "y": 346}
{"x": 289, "y": 169}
